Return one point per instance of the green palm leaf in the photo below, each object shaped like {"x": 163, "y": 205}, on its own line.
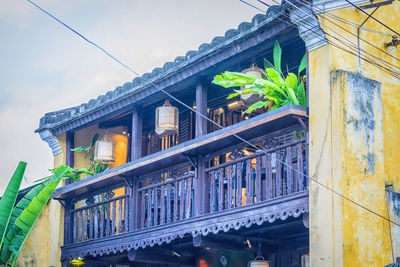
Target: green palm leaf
{"x": 11, "y": 229}
{"x": 8, "y": 200}
{"x": 26, "y": 220}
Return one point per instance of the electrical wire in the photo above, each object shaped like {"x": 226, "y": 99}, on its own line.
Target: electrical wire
{"x": 340, "y": 35}
{"x": 323, "y": 16}
{"x": 383, "y": 24}
{"x": 226, "y": 130}
{"x": 253, "y": 6}
{"x": 389, "y": 70}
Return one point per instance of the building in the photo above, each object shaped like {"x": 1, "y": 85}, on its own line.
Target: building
{"x": 203, "y": 197}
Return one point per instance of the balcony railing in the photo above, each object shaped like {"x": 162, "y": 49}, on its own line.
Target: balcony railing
{"x": 210, "y": 184}
{"x": 239, "y": 182}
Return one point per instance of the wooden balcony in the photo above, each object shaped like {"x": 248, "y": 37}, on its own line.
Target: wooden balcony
{"x": 212, "y": 184}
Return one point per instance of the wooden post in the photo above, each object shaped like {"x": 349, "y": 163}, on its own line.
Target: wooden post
{"x": 201, "y": 183}
{"x": 69, "y": 155}
{"x": 136, "y": 137}
{"x": 67, "y": 223}
{"x": 201, "y": 108}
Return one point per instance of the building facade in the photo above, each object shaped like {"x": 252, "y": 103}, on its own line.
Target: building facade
{"x": 203, "y": 196}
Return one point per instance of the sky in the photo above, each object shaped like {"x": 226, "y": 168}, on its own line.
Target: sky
{"x": 44, "y": 67}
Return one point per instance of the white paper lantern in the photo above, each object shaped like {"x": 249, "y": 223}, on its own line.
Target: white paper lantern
{"x": 167, "y": 119}
{"x": 258, "y": 262}
{"x": 250, "y": 99}
{"x": 104, "y": 150}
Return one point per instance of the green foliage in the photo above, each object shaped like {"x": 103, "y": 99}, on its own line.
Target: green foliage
{"x": 276, "y": 89}
{"x": 26, "y": 212}
{"x": 9, "y": 197}
{"x": 94, "y": 168}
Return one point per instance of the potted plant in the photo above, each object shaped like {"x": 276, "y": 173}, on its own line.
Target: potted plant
{"x": 275, "y": 89}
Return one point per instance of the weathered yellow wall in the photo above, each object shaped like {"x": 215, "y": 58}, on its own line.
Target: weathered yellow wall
{"x": 42, "y": 248}
{"x": 342, "y": 234}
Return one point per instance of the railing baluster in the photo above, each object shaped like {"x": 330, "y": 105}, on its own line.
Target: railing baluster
{"x": 220, "y": 189}
{"x": 278, "y": 180}
{"x": 120, "y": 216}
{"x": 114, "y": 211}
{"x": 268, "y": 177}
{"x": 175, "y": 201}
{"x": 300, "y": 167}
{"x": 80, "y": 226}
{"x": 101, "y": 220}
{"x": 126, "y": 215}
{"x": 212, "y": 191}
{"x": 91, "y": 214}
{"x": 182, "y": 199}
{"x": 249, "y": 191}
{"x": 239, "y": 170}
{"x": 230, "y": 186}
{"x": 108, "y": 219}
{"x": 189, "y": 197}
{"x": 258, "y": 178}
{"x": 74, "y": 228}
{"x": 142, "y": 209}
{"x": 96, "y": 221}
{"x": 289, "y": 171}
{"x": 162, "y": 208}
{"x": 149, "y": 213}
{"x": 168, "y": 203}
{"x": 155, "y": 206}
{"x": 85, "y": 224}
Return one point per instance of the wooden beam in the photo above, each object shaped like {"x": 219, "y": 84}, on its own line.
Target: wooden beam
{"x": 152, "y": 256}
{"x": 201, "y": 107}
{"x": 204, "y": 242}
{"x": 136, "y": 134}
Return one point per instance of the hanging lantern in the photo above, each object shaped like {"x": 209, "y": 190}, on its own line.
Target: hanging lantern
{"x": 104, "y": 150}
{"x": 250, "y": 99}
{"x": 167, "y": 119}
{"x": 259, "y": 260}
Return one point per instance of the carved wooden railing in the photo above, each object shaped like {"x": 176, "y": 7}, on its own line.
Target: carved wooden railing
{"x": 101, "y": 219}
{"x": 235, "y": 177}
{"x": 257, "y": 177}
{"x": 166, "y": 202}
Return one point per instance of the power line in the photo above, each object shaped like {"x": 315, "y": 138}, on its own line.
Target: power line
{"x": 338, "y": 34}
{"x": 253, "y": 6}
{"x": 221, "y": 127}
{"x": 383, "y": 24}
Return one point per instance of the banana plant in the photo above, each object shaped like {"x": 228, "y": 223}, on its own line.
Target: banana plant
{"x": 95, "y": 167}
{"x": 23, "y": 216}
{"x": 276, "y": 90}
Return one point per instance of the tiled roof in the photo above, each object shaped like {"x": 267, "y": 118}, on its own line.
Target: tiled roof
{"x": 53, "y": 119}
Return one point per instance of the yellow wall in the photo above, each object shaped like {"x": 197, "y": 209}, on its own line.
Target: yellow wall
{"x": 42, "y": 248}
{"x": 342, "y": 234}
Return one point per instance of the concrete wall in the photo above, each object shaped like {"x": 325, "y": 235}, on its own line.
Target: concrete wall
{"x": 354, "y": 140}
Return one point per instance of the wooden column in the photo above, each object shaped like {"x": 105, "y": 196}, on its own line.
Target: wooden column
{"x": 69, "y": 155}
{"x": 136, "y": 134}
{"x": 201, "y": 107}
{"x": 67, "y": 223}
{"x": 201, "y": 183}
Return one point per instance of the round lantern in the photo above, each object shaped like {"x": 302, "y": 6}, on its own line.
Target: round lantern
{"x": 258, "y": 262}
{"x": 167, "y": 119}
{"x": 104, "y": 150}
{"x": 250, "y": 99}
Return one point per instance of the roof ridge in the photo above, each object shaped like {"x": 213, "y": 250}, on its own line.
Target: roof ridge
{"x": 54, "y": 118}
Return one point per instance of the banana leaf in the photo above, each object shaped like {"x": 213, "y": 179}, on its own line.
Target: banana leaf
{"x": 26, "y": 220}
{"x": 11, "y": 229}
{"x": 303, "y": 65}
{"x": 277, "y": 53}
{"x": 10, "y": 196}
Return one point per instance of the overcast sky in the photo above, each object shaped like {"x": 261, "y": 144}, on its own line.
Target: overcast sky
{"x": 44, "y": 67}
